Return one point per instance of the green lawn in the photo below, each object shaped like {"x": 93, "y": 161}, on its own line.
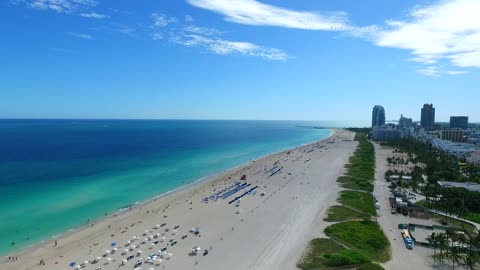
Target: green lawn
{"x": 364, "y": 236}
{"x": 361, "y": 201}
{"x": 342, "y": 213}
{"x": 326, "y": 253}
{"x": 356, "y": 183}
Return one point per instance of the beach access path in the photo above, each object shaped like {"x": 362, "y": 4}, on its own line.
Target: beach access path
{"x": 269, "y": 229}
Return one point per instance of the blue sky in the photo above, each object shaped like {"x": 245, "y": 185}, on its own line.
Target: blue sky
{"x": 238, "y": 59}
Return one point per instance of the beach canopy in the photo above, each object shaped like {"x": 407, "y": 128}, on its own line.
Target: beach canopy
{"x": 113, "y": 244}
{"x": 72, "y": 264}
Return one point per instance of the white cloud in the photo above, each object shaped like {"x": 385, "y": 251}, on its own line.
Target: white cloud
{"x": 94, "y": 15}
{"x": 80, "y": 35}
{"x": 252, "y": 12}
{"x": 161, "y": 20}
{"x": 60, "y": 6}
{"x": 449, "y": 30}
{"x": 202, "y": 30}
{"x": 429, "y": 71}
{"x": 457, "y": 72}
{"x": 225, "y": 47}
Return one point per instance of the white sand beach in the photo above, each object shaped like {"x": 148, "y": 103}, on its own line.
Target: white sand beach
{"x": 269, "y": 229}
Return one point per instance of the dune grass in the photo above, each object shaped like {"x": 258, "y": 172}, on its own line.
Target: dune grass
{"x": 341, "y": 213}
{"x": 364, "y": 236}
{"x": 361, "y": 201}
{"x": 353, "y": 183}
{"x": 326, "y": 254}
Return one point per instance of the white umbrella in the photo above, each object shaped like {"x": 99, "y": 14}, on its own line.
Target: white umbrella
{"x": 128, "y": 242}
{"x": 150, "y": 236}
{"x": 139, "y": 252}
{"x": 86, "y": 262}
{"x": 152, "y": 244}
{"x": 124, "y": 261}
{"x": 146, "y": 231}
{"x": 158, "y": 226}
{"x": 145, "y": 239}
{"x": 151, "y": 268}
{"x": 109, "y": 259}
{"x": 126, "y": 250}
{"x": 99, "y": 258}
{"x": 77, "y": 266}
{"x": 170, "y": 255}
{"x": 163, "y": 237}
{"x": 134, "y": 237}
{"x": 107, "y": 251}
{"x": 115, "y": 249}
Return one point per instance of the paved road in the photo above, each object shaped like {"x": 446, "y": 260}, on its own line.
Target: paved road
{"x": 402, "y": 258}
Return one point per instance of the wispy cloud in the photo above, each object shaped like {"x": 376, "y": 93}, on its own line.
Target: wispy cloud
{"x": 80, "y": 35}
{"x": 224, "y": 47}
{"x": 429, "y": 71}
{"x": 252, "y": 12}
{"x": 161, "y": 20}
{"x": 94, "y": 15}
{"x": 60, "y": 6}
{"x": 202, "y": 30}
{"x": 457, "y": 72}
{"x": 448, "y": 30}
{"x": 169, "y": 28}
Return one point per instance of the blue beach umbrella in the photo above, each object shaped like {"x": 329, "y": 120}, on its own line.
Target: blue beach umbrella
{"x": 114, "y": 244}
{"x": 72, "y": 264}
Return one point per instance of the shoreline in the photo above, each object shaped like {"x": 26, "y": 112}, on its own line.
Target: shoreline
{"x": 186, "y": 188}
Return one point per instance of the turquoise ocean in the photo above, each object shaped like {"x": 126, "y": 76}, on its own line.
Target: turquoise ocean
{"x": 55, "y": 175}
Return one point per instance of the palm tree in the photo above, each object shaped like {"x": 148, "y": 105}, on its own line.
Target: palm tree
{"x": 433, "y": 241}
{"x": 455, "y": 255}
{"x": 442, "y": 245}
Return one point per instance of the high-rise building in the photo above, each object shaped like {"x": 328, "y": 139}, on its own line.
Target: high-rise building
{"x": 405, "y": 122}
{"x": 378, "y": 116}
{"x": 459, "y": 122}
{"x": 453, "y": 135}
{"x": 428, "y": 117}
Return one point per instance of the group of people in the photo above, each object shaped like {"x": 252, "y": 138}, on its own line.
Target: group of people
{"x": 12, "y": 258}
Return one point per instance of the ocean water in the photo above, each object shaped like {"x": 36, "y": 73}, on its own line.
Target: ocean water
{"x": 56, "y": 175}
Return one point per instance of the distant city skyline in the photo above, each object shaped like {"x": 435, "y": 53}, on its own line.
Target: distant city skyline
{"x": 239, "y": 59}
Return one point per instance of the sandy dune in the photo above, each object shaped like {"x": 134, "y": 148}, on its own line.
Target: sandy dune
{"x": 263, "y": 232}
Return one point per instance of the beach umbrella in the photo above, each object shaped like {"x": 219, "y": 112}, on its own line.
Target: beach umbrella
{"x": 99, "y": 258}
{"x": 109, "y": 259}
{"x": 151, "y": 268}
{"x": 146, "y": 231}
{"x": 126, "y": 250}
{"x": 170, "y": 255}
{"x": 72, "y": 264}
{"x": 158, "y": 226}
{"x": 124, "y": 261}
{"x": 163, "y": 237}
{"x": 77, "y": 267}
{"x": 128, "y": 242}
{"x": 152, "y": 244}
{"x": 85, "y": 262}
{"x": 139, "y": 252}
{"x": 150, "y": 236}
{"x": 114, "y": 249}
{"x": 107, "y": 251}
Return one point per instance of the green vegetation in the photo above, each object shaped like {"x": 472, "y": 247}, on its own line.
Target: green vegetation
{"x": 457, "y": 247}
{"x": 361, "y": 166}
{"x": 355, "y": 183}
{"x": 326, "y": 253}
{"x": 439, "y": 166}
{"x": 341, "y": 213}
{"x": 364, "y": 236}
{"x": 361, "y": 201}
{"x": 370, "y": 266}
